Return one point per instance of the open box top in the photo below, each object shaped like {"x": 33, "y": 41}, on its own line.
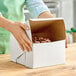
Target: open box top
{"x": 52, "y": 28}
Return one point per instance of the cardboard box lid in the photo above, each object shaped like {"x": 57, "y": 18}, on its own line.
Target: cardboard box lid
{"x": 53, "y": 28}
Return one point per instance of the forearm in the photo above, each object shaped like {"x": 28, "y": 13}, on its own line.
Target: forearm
{"x": 5, "y": 23}
{"x": 46, "y": 14}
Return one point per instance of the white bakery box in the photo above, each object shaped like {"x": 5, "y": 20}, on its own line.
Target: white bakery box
{"x": 42, "y": 54}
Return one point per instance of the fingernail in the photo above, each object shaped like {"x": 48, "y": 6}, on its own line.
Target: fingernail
{"x": 30, "y": 49}
{"x": 28, "y": 28}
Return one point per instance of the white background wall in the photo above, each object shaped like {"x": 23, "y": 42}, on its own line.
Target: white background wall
{"x": 74, "y": 1}
{"x": 67, "y": 13}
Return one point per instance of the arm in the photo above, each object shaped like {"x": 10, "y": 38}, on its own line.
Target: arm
{"x": 4, "y": 23}
{"x": 38, "y": 9}
{"x": 49, "y": 15}
{"x": 18, "y": 30}
{"x": 45, "y": 14}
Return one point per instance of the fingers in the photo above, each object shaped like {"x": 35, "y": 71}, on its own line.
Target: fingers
{"x": 27, "y": 42}
{"x": 21, "y": 46}
{"x": 24, "y": 26}
{"x": 66, "y": 42}
{"x": 21, "y": 36}
{"x": 26, "y": 38}
{"x": 24, "y": 45}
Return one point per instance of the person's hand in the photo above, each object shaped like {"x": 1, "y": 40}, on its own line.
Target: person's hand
{"x": 66, "y": 41}
{"x": 18, "y": 30}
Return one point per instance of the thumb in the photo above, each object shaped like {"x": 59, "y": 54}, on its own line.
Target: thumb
{"x": 25, "y": 27}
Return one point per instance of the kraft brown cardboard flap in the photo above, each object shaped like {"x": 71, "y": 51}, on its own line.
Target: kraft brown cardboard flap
{"x": 53, "y": 29}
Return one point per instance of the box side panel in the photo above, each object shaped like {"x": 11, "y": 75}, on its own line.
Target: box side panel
{"x": 29, "y": 59}
{"x": 17, "y": 55}
{"x": 47, "y": 54}
{"x": 29, "y": 55}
